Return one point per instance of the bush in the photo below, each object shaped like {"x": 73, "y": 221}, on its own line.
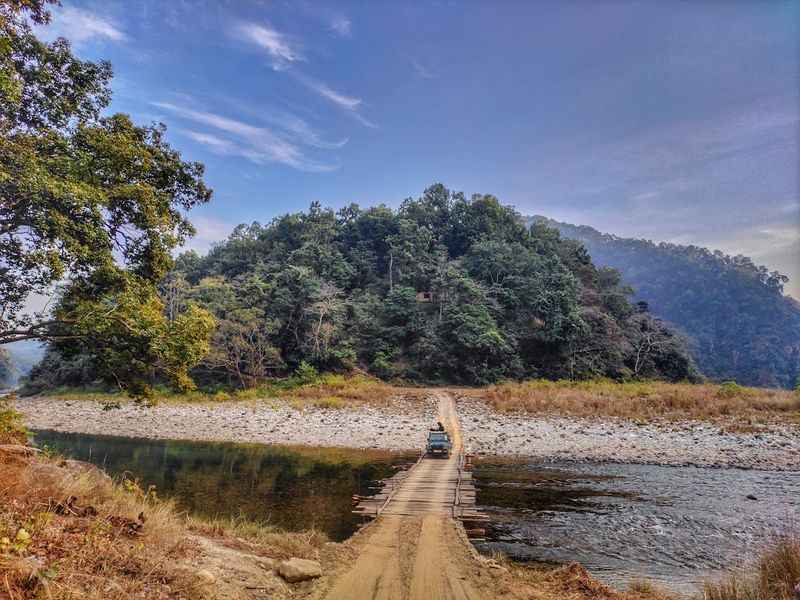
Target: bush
{"x": 12, "y": 430}
{"x": 305, "y": 374}
{"x": 330, "y": 402}
{"x": 730, "y": 389}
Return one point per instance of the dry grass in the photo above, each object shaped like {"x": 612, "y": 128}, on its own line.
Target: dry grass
{"x": 269, "y": 540}
{"x": 340, "y": 391}
{"x": 86, "y": 549}
{"x": 96, "y": 546}
{"x": 571, "y": 582}
{"x": 328, "y": 390}
{"x": 774, "y": 577}
{"x": 646, "y": 400}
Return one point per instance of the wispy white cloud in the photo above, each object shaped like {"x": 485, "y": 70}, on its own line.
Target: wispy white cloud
{"x": 422, "y": 70}
{"x": 219, "y": 145}
{"x": 78, "y": 26}
{"x": 257, "y": 144}
{"x": 341, "y": 100}
{"x": 342, "y": 25}
{"x": 646, "y": 196}
{"x": 292, "y": 126}
{"x": 281, "y": 49}
{"x": 284, "y": 52}
{"x": 364, "y": 121}
{"x": 348, "y": 103}
{"x": 301, "y": 130}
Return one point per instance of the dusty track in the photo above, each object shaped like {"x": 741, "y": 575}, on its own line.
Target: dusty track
{"x": 414, "y": 550}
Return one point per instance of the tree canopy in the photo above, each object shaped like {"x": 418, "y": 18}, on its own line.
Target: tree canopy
{"x": 90, "y": 201}
{"x": 444, "y": 289}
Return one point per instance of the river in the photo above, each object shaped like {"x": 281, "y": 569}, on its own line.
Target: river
{"x": 294, "y": 488}
{"x": 675, "y": 526}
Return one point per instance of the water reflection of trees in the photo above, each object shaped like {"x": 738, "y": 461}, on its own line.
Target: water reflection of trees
{"x": 293, "y": 488}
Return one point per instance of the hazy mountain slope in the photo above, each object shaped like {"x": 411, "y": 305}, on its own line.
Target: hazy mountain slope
{"x": 21, "y": 356}
{"x": 741, "y": 325}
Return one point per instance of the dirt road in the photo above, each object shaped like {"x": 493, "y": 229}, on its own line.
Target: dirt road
{"x": 414, "y": 550}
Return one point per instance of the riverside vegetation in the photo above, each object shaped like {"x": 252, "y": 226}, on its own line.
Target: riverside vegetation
{"x": 646, "y": 400}
{"x": 67, "y": 531}
{"x": 444, "y": 290}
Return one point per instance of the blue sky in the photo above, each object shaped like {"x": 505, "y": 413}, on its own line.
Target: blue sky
{"x": 667, "y": 120}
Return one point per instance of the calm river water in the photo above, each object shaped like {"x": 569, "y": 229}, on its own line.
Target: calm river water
{"x": 294, "y": 488}
{"x": 673, "y": 525}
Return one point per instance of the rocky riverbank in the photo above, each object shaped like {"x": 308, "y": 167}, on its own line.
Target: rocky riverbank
{"x": 401, "y": 425}
{"x": 403, "y": 422}
{"x": 682, "y": 443}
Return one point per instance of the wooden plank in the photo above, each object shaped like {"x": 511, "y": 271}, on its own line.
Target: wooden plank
{"x": 442, "y": 488}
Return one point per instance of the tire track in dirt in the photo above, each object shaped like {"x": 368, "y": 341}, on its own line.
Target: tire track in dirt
{"x": 436, "y": 557}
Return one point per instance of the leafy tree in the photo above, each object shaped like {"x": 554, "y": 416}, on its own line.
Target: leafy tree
{"x": 130, "y": 338}
{"x": 94, "y": 201}
{"x": 243, "y": 350}
{"x": 444, "y": 289}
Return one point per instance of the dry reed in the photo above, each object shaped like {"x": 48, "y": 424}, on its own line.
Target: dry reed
{"x": 645, "y": 400}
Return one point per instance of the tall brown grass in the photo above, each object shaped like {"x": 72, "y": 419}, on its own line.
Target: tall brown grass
{"x": 327, "y": 390}
{"x": 340, "y": 391}
{"x": 774, "y": 576}
{"x": 644, "y": 400}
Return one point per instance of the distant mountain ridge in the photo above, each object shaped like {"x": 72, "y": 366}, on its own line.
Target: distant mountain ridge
{"x": 740, "y": 324}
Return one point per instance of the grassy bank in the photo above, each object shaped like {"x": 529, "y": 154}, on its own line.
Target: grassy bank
{"x": 645, "y": 400}
{"x": 774, "y": 577}
{"x": 67, "y": 532}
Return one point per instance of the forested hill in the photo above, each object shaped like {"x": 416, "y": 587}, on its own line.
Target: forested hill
{"x": 740, "y": 324}
{"x": 443, "y": 289}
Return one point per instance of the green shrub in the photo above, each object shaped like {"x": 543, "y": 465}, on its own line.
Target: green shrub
{"x": 12, "y": 429}
{"x": 730, "y": 389}
{"x": 330, "y": 402}
{"x": 305, "y": 374}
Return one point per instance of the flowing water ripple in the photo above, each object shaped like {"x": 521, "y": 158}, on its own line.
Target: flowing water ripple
{"x": 676, "y": 526}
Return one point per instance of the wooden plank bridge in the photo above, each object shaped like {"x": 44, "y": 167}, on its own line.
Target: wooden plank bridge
{"x": 441, "y": 486}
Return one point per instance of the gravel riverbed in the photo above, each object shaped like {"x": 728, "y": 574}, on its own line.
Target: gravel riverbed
{"x": 682, "y": 443}
{"x": 403, "y": 423}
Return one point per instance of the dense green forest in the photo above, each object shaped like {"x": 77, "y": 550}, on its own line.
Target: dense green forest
{"x": 740, "y": 324}
{"x": 444, "y": 289}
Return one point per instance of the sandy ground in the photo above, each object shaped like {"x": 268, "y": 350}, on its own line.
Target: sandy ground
{"x": 402, "y": 426}
{"x": 414, "y": 552}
